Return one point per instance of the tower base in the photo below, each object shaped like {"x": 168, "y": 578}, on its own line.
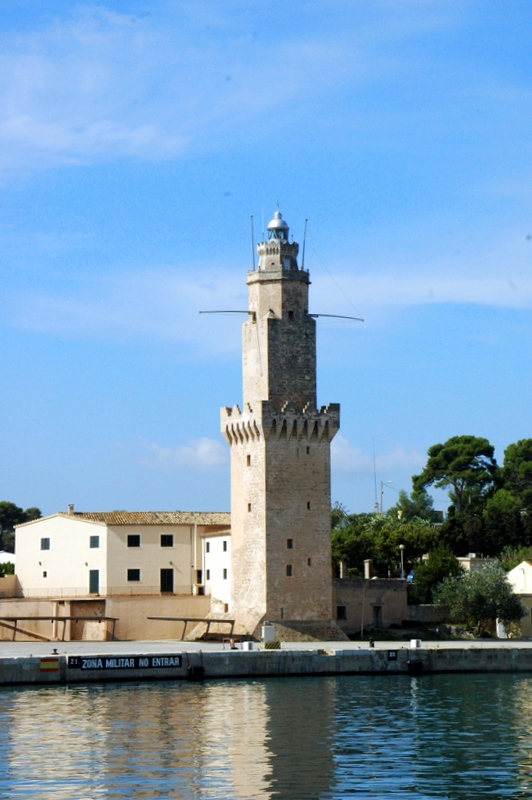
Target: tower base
{"x": 286, "y": 630}
{"x": 308, "y": 631}
{"x": 294, "y": 630}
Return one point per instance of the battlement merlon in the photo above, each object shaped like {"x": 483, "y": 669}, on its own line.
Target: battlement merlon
{"x": 276, "y": 253}
{"x": 263, "y": 421}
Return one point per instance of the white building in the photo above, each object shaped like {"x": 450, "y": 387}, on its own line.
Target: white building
{"x": 520, "y": 579}
{"x": 79, "y": 554}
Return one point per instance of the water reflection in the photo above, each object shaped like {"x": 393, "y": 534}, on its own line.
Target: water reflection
{"x": 291, "y": 739}
{"x": 301, "y": 734}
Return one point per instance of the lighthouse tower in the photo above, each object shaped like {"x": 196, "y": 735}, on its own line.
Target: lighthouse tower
{"x": 280, "y": 452}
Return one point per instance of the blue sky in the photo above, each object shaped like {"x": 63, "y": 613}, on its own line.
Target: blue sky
{"x": 136, "y": 139}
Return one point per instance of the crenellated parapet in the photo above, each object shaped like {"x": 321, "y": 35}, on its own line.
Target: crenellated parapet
{"x": 277, "y": 252}
{"x": 263, "y": 421}
{"x": 238, "y": 426}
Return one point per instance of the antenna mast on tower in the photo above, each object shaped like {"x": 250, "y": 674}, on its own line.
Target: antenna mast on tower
{"x": 252, "y": 244}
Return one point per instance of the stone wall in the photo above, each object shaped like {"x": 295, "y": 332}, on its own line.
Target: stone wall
{"x": 132, "y": 613}
{"x": 27, "y": 608}
{"x": 426, "y": 613}
{"x": 313, "y": 631}
{"x": 279, "y": 340}
{"x": 280, "y": 512}
{"x": 399, "y": 660}
{"x": 364, "y": 605}
{"x": 9, "y": 586}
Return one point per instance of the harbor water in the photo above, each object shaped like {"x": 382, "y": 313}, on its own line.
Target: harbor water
{"x": 436, "y": 736}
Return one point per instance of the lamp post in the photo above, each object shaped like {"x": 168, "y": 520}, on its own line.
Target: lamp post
{"x": 401, "y": 549}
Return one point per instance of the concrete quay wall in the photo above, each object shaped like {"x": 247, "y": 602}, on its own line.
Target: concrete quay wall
{"x": 197, "y": 664}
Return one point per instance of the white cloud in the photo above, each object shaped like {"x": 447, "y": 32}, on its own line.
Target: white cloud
{"x": 163, "y": 303}
{"x": 93, "y": 84}
{"x": 492, "y": 272}
{"x": 80, "y": 89}
{"x": 203, "y": 453}
{"x": 97, "y": 84}
{"x": 404, "y": 289}
{"x": 399, "y": 458}
{"x": 160, "y": 304}
{"x": 346, "y": 457}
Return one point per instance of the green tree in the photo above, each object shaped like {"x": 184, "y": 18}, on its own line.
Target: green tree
{"x": 478, "y": 598}
{"x": 352, "y": 542}
{"x": 339, "y": 516}
{"x": 512, "y": 556}
{"x": 428, "y": 574}
{"x": 419, "y": 504}
{"x": 503, "y": 523}
{"x": 11, "y": 515}
{"x": 464, "y": 463}
{"x": 463, "y": 532}
{"x": 377, "y": 537}
{"x": 516, "y": 472}
{"x": 508, "y": 515}
{"x": 417, "y": 535}
{"x": 7, "y": 568}
{"x": 32, "y": 513}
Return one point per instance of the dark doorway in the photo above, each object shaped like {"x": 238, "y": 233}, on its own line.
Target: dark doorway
{"x": 167, "y": 580}
{"x": 94, "y": 581}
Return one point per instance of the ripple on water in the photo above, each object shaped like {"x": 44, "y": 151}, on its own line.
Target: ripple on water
{"x": 458, "y": 736}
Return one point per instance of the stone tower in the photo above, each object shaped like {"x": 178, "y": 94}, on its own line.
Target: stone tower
{"x": 280, "y": 451}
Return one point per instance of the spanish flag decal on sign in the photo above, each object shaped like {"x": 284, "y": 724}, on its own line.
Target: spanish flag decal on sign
{"x": 50, "y": 664}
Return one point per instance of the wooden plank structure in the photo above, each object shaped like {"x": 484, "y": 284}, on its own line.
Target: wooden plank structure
{"x": 11, "y": 623}
{"x": 208, "y": 622}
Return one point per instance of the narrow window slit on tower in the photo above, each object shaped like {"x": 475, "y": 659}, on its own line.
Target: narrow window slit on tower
{"x": 289, "y": 572}
{"x": 309, "y": 562}
{"x": 308, "y": 505}
{"x": 290, "y": 315}
{"x": 248, "y": 461}
{"x": 289, "y": 544}
{"x": 249, "y": 506}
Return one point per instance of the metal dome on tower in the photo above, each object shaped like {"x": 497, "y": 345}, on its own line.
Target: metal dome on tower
{"x": 277, "y": 227}
{"x": 277, "y": 252}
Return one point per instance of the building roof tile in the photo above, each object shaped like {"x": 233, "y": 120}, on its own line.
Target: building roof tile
{"x": 154, "y": 517}
{"x": 219, "y": 518}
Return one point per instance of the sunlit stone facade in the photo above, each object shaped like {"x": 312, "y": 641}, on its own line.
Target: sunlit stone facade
{"x": 280, "y": 451}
